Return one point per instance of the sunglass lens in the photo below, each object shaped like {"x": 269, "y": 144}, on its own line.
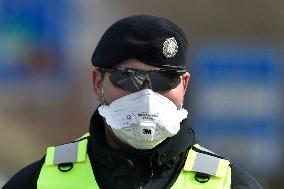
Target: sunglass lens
{"x": 157, "y": 81}
{"x": 163, "y": 81}
{"x": 122, "y": 79}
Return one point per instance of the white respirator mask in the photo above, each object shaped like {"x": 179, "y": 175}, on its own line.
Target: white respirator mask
{"x": 143, "y": 119}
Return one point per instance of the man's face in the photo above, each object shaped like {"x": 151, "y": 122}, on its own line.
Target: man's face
{"x": 111, "y": 93}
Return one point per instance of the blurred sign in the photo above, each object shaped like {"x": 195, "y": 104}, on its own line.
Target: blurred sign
{"x": 31, "y": 39}
{"x": 238, "y": 104}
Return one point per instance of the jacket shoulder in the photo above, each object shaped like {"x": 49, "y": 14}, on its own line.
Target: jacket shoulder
{"x": 242, "y": 179}
{"x": 26, "y": 178}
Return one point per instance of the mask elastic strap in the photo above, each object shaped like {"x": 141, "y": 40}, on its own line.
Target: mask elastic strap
{"x": 102, "y": 94}
{"x": 180, "y": 106}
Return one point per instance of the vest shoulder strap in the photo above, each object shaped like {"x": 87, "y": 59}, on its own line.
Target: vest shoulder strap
{"x": 67, "y": 166}
{"x": 202, "y": 160}
{"x": 68, "y": 153}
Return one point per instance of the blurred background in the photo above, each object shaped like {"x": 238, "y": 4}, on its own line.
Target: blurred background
{"x": 235, "y": 97}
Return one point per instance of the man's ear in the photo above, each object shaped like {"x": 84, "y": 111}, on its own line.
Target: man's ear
{"x": 185, "y": 80}
{"x": 97, "y": 82}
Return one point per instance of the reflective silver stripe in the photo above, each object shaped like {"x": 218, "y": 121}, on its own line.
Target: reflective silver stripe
{"x": 206, "y": 164}
{"x": 66, "y": 153}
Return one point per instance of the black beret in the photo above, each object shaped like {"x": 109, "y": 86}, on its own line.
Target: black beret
{"x": 153, "y": 40}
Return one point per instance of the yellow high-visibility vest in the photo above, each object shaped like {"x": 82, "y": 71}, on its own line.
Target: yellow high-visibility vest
{"x": 68, "y": 167}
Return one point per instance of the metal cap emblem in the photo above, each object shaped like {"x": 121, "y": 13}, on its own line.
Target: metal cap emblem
{"x": 170, "y": 47}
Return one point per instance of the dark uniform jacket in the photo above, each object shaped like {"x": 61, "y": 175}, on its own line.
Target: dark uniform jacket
{"x": 148, "y": 169}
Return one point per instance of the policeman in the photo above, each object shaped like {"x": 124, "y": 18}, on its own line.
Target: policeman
{"x": 138, "y": 136}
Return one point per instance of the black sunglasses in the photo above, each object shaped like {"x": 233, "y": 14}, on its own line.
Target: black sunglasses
{"x": 133, "y": 80}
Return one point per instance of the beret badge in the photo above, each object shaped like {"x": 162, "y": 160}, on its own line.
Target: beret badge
{"x": 170, "y": 47}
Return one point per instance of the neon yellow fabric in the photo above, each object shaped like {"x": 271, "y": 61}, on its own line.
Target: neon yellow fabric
{"x": 186, "y": 179}
{"x": 82, "y": 153}
{"x": 189, "y": 162}
{"x": 81, "y": 176}
{"x": 49, "y": 156}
